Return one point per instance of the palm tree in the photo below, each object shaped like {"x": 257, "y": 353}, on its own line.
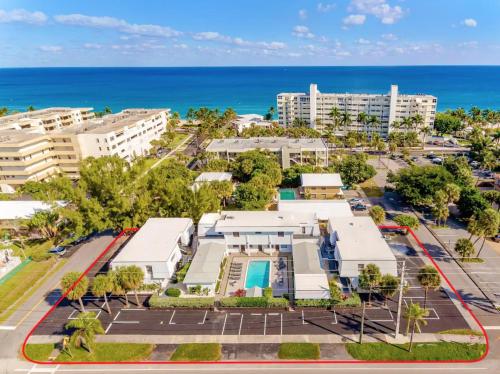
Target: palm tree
{"x": 31, "y": 108}
{"x": 102, "y": 285}
{"x": 345, "y": 120}
{"x": 76, "y": 290}
{"x": 117, "y": 288}
{"x": 428, "y": 278}
{"x": 388, "y": 286}
{"x": 107, "y": 110}
{"x": 135, "y": 279}
{"x": 370, "y": 278}
{"x": 270, "y": 113}
{"x": 452, "y": 191}
{"x": 3, "y": 111}
{"x": 46, "y": 223}
{"x": 86, "y": 326}
{"x": 363, "y": 119}
{"x": 373, "y": 122}
{"x": 415, "y": 316}
{"x": 335, "y": 117}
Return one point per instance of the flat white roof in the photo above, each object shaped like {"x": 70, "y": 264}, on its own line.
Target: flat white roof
{"x": 213, "y": 176}
{"x": 10, "y": 210}
{"x": 323, "y": 209}
{"x": 271, "y": 143}
{"x": 205, "y": 267}
{"x": 155, "y": 241}
{"x": 358, "y": 238}
{"x": 321, "y": 180}
{"x": 310, "y": 278}
{"x": 267, "y": 220}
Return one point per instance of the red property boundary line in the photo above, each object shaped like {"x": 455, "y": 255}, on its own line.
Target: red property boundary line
{"x": 284, "y": 362}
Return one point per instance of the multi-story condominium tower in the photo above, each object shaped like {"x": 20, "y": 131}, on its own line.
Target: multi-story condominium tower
{"x": 36, "y": 153}
{"x": 288, "y": 151}
{"x": 389, "y": 109}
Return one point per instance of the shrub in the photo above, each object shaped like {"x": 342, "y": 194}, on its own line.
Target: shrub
{"x": 181, "y": 274}
{"x": 407, "y": 220}
{"x": 196, "y": 290}
{"x": 40, "y": 256}
{"x": 353, "y": 301}
{"x": 240, "y": 293}
{"x": 180, "y": 302}
{"x": 173, "y": 292}
{"x": 267, "y": 292}
{"x": 335, "y": 292}
{"x": 314, "y": 303}
{"x": 253, "y": 302}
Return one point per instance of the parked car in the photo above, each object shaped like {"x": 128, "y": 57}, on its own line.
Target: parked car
{"x": 59, "y": 250}
{"x": 497, "y": 238}
{"x": 474, "y": 164}
{"x": 359, "y": 207}
{"x": 356, "y": 200}
{"x": 437, "y": 160}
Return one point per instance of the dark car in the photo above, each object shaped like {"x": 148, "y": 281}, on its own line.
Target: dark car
{"x": 359, "y": 207}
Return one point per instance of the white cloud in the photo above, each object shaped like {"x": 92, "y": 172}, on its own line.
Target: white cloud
{"x": 325, "y": 8}
{"x": 302, "y": 14}
{"x": 92, "y": 46}
{"x": 362, "y": 41}
{"x": 22, "y": 15}
{"x": 379, "y": 8}
{"x": 470, "y": 44}
{"x": 50, "y": 48}
{"x": 389, "y": 36}
{"x": 217, "y": 37}
{"x": 469, "y": 22}
{"x": 302, "y": 32}
{"x": 116, "y": 24}
{"x": 181, "y": 46}
{"x": 294, "y": 54}
{"x": 354, "y": 19}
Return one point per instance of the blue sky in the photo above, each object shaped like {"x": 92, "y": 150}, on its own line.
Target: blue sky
{"x": 256, "y": 32}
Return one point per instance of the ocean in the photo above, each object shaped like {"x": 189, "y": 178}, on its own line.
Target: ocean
{"x": 245, "y": 89}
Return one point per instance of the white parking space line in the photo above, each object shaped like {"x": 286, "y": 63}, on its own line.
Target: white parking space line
{"x": 171, "y": 318}
{"x": 335, "y": 318}
{"x": 204, "y": 318}
{"x": 71, "y": 316}
{"x": 224, "y": 325}
{"x": 281, "y": 323}
{"x": 303, "y": 321}
{"x": 265, "y": 323}
{"x": 135, "y": 309}
{"x": 117, "y": 314}
{"x": 241, "y": 324}
{"x": 128, "y": 322}
{"x": 107, "y": 328}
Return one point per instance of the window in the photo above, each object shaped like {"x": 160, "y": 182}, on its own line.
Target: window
{"x": 281, "y": 234}
{"x": 361, "y": 267}
{"x": 236, "y": 234}
{"x": 149, "y": 271}
{"x": 303, "y": 230}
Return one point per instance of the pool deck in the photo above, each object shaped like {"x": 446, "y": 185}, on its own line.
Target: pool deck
{"x": 229, "y": 286}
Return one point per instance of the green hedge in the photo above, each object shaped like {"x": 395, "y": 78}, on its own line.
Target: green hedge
{"x": 173, "y": 292}
{"x": 253, "y": 302}
{"x": 181, "y": 302}
{"x": 320, "y": 303}
{"x": 181, "y": 274}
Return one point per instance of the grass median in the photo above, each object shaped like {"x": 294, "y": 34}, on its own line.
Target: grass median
{"x": 299, "y": 351}
{"x": 439, "y": 351}
{"x": 114, "y": 352}
{"x": 197, "y": 352}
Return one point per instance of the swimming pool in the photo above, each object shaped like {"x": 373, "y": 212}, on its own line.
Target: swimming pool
{"x": 287, "y": 194}
{"x": 258, "y": 274}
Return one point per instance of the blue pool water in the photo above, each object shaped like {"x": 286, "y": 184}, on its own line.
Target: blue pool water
{"x": 258, "y": 274}
{"x": 287, "y": 194}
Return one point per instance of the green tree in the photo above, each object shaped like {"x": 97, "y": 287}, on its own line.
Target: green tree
{"x": 471, "y": 202}
{"x": 46, "y": 223}
{"x": 464, "y": 248}
{"x": 429, "y": 278}
{"x": 389, "y": 285}
{"x": 407, "y": 220}
{"x": 131, "y": 278}
{"x": 86, "y": 326}
{"x": 440, "y": 207}
{"x": 202, "y": 200}
{"x": 369, "y": 279}
{"x": 489, "y": 220}
{"x": 249, "y": 164}
{"x": 4, "y": 111}
{"x": 415, "y": 315}
{"x": 101, "y": 286}
{"x": 223, "y": 190}
{"x": 378, "y": 214}
{"x": 354, "y": 169}
{"x": 493, "y": 197}
{"x": 452, "y": 192}
{"x": 75, "y": 290}
{"x": 255, "y": 194}
{"x": 445, "y": 123}
{"x": 270, "y": 113}
{"x": 31, "y": 108}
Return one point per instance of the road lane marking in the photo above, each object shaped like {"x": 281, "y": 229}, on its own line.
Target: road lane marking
{"x": 241, "y": 324}
{"x": 171, "y": 318}
{"x": 224, "y": 325}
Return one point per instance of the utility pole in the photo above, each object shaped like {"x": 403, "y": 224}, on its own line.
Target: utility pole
{"x": 400, "y": 300}
{"x": 362, "y": 325}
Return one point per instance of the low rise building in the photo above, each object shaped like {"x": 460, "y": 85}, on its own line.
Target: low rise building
{"x": 207, "y": 177}
{"x": 323, "y": 209}
{"x": 357, "y": 242}
{"x": 246, "y": 121}
{"x": 321, "y": 186}
{"x": 156, "y": 248}
{"x": 288, "y": 151}
{"x": 14, "y": 212}
{"x": 315, "y": 107}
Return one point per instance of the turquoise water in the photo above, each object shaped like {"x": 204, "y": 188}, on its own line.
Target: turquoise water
{"x": 287, "y": 194}
{"x": 245, "y": 89}
{"x": 258, "y": 274}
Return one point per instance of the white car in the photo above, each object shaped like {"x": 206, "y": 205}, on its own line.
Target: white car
{"x": 437, "y": 160}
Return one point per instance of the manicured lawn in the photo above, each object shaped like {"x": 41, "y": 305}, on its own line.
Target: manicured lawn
{"x": 39, "y": 352}
{"x": 476, "y": 260}
{"x": 119, "y": 352}
{"x": 179, "y": 138}
{"x": 197, "y": 352}
{"x": 299, "y": 351}
{"x": 22, "y": 285}
{"x": 371, "y": 189}
{"x": 461, "y": 332}
{"x": 421, "y": 351}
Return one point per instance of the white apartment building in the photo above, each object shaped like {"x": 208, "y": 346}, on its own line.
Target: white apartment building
{"x": 38, "y": 152}
{"x": 314, "y": 108}
{"x": 288, "y": 151}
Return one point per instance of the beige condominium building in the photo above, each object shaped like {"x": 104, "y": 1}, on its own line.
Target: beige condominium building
{"x": 315, "y": 107}
{"x": 36, "y": 154}
{"x": 288, "y": 151}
